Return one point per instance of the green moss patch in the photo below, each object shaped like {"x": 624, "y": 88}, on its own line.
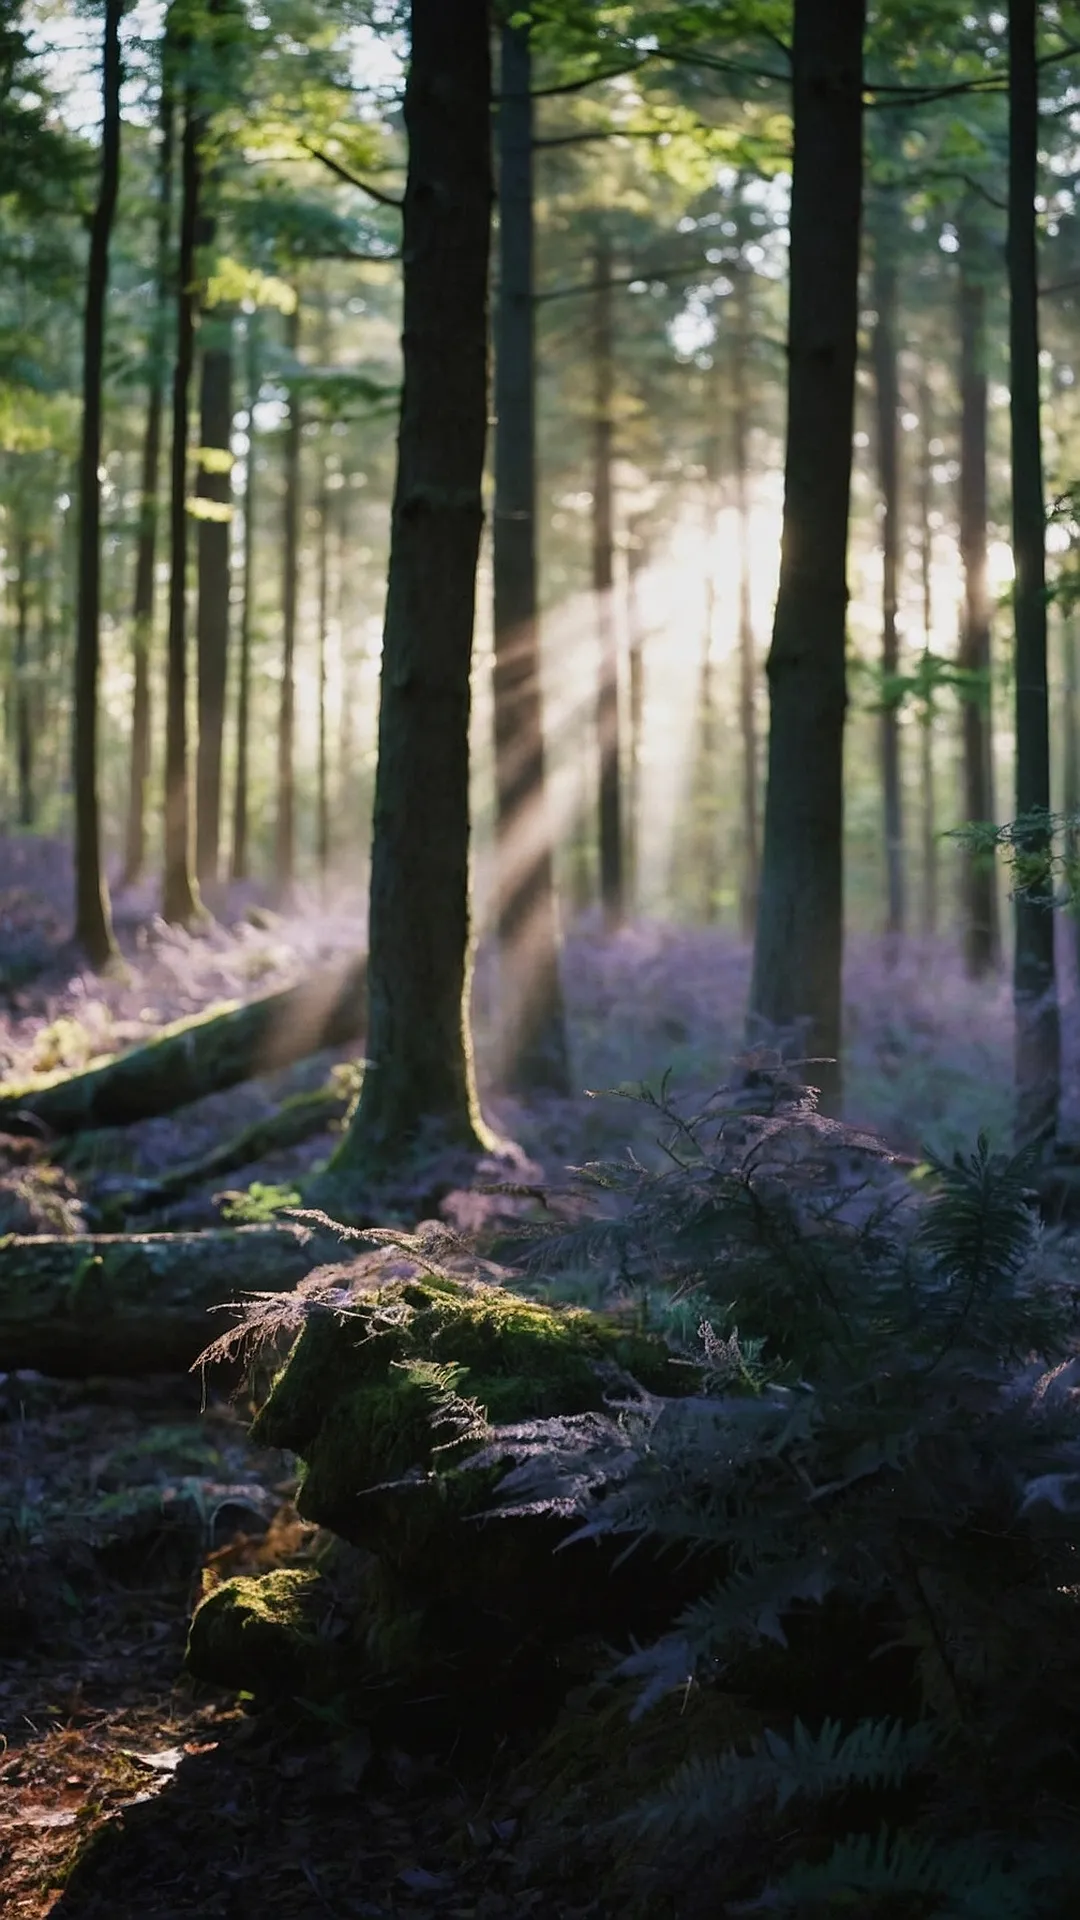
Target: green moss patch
{"x": 258, "y": 1635}
{"x": 361, "y": 1400}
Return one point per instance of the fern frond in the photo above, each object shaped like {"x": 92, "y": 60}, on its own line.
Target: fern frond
{"x": 964, "y": 1881}
{"x": 704, "y": 1793}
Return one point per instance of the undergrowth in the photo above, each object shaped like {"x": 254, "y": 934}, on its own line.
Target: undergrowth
{"x": 882, "y": 1455}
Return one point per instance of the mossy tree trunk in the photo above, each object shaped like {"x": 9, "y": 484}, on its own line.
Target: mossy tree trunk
{"x": 421, "y": 1078}
{"x": 798, "y": 952}
{"x": 1038, "y": 1037}
{"x": 93, "y": 921}
{"x": 533, "y": 1020}
{"x": 128, "y": 1304}
{"x": 195, "y": 1058}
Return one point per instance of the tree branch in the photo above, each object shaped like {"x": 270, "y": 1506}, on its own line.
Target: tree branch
{"x": 351, "y": 179}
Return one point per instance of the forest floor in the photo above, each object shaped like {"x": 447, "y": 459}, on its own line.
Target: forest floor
{"x": 126, "y": 1792}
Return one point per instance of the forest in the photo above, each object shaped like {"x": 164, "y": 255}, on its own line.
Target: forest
{"x": 539, "y": 959}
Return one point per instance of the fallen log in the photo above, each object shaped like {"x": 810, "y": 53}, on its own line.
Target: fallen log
{"x": 193, "y": 1058}
{"x": 296, "y": 1120}
{"x": 130, "y": 1304}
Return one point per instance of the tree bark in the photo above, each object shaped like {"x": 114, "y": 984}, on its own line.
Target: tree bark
{"x": 180, "y": 903}
{"x": 982, "y": 927}
{"x": 421, "y": 1079}
{"x": 1038, "y": 1039}
{"x": 532, "y": 1017}
{"x": 290, "y": 582}
{"x": 322, "y": 796}
{"x": 214, "y": 537}
{"x": 798, "y": 952}
{"x": 887, "y": 399}
{"x": 1070, "y": 767}
{"x": 927, "y": 771}
{"x": 243, "y": 695}
{"x": 124, "y": 1304}
{"x": 740, "y": 420}
{"x": 195, "y": 1058}
{"x": 93, "y": 920}
{"x": 612, "y": 891}
{"x": 142, "y": 619}
{"x": 24, "y": 723}
{"x": 636, "y": 560}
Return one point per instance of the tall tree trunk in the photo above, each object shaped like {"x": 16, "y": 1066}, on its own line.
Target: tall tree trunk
{"x": 243, "y": 668}
{"x": 982, "y": 928}
{"x": 348, "y": 788}
{"x": 740, "y": 421}
{"x": 798, "y": 952}
{"x": 214, "y": 487}
{"x": 887, "y": 399}
{"x": 180, "y": 902}
{"x": 142, "y": 617}
{"x": 290, "y": 584}
{"x": 421, "y": 1081}
{"x": 927, "y": 772}
{"x": 24, "y": 720}
{"x": 93, "y": 922}
{"x": 636, "y": 558}
{"x": 603, "y": 574}
{"x": 532, "y": 1019}
{"x": 704, "y": 838}
{"x": 322, "y": 797}
{"x": 1070, "y": 766}
{"x": 1038, "y": 1040}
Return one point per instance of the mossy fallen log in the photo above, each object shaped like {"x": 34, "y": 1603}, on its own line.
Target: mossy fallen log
{"x": 447, "y": 1595}
{"x": 298, "y": 1119}
{"x": 194, "y": 1058}
{"x": 130, "y": 1304}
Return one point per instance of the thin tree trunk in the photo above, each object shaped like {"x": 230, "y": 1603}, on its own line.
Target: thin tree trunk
{"x": 887, "y": 398}
{"x": 704, "y": 835}
{"x": 798, "y": 953}
{"x": 180, "y": 902}
{"x": 347, "y": 785}
{"x": 636, "y": 557}
{"x": 982, "y": 929}
{"x": 420, "y": 1083}
{"x": 1038, "y": 1039}
{"x": 740, "y": 420}
{"x": 214, "y": 487}
{"x": 1070, "y": 758}
{"x": 142, "y": 618}
{"x": 927, "y": 776}
{"x": 93, "y": 922}
{"x": 533, "y": 1023}
{"x": 24, "y": 721}
{"x": 603, "y": 573}
{"x": 290, "y": 580}
{"x": 322, "y": 801}
{"x": 243, "y": 696}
